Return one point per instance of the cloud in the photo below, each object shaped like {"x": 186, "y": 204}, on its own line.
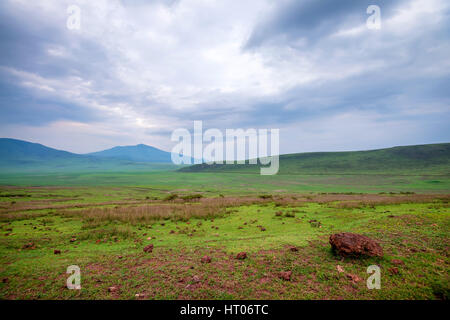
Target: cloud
{"x": 136, "y": 70}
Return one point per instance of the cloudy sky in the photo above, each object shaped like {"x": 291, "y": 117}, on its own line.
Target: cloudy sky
{"x": 136, "y": 70}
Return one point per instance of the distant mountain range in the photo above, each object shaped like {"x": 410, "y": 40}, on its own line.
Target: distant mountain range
{"x": 18, "y": 155}
{"x": 26, "y": 157}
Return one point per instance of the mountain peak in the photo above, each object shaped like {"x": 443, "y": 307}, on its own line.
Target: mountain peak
{"x": 138, "y": 153}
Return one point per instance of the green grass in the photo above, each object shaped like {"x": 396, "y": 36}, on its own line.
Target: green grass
{"x": 414, "y": 229}
{"x": 227, "y": 183}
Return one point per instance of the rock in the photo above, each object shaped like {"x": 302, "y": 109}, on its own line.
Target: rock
{"x": 397, "y": 262}
{"x": 354, "y": 278}
{"x": 29, "y": 245}
{"x": 340, "y": 269}
{"x": 241, "y": 255}
{"x": 148, "y": 248}
{"x": 120, "y": 257}
{"x": 293, "y": 249}
{"x": 5, "y": 280}
{"x": 57, "y": 251}
{"x": 73, "y": 239}
{"x": 206, "y": 259}
{"x": 393, "y": 270}
{"x": 196, "y": 279}
{"x": 286, "y": 275}
{"x": 352, "y": 244}
{"x": 113, "y": 289}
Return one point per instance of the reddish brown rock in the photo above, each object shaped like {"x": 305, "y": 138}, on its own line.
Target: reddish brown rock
{"x": 206, "y": 259}
{"x": 241, "y": 255}
{"x": 73, "y": 240}
{"x": 293, "y": 249}
{"x": 286, "y": 275}
{"x": 352, "y": 244}
{"x": 148, "y": 248}
{"x": 57, "y": 251}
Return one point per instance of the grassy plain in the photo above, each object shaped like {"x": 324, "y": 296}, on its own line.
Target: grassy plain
{"x": 102, "y": 225}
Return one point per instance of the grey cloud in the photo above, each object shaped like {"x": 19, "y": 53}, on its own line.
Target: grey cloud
{"x": 312, "y": 19}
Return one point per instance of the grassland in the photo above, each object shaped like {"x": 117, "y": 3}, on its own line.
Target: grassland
{"x": 103, "y": 229}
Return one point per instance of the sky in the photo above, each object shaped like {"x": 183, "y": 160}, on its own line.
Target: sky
{"x": 136, "y": 70}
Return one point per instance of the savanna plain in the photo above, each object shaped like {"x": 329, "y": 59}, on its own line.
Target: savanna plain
{"x": 194, "y": 225}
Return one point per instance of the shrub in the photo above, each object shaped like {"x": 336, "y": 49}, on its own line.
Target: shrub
{"x": 171, "y": 197}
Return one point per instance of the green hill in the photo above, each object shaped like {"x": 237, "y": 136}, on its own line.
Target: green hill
{"x": 420, "y": 159}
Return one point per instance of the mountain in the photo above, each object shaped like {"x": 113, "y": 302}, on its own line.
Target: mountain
{"x": 139, "y": 153}
{"x": 420, "y": 159}
{"x": 23, "y": 156}
{"x": 22, "y": 152}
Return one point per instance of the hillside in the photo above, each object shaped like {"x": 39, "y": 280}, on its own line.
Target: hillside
{"x": 432, "y": 158}
{"x": 138, "y": 153}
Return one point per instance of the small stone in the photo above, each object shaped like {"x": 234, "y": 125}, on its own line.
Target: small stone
{"x": 397, "y": 262}
{"x": 113, "y": 289}
{"x": 73, "y": 239}
{"x": 241, "y": 256}
{"x": 393, "y": 270}
{"x": 340, "y": 269}
{"x": 354, "y": 278}
{"x": 206, "y": 259}
{"x": 148, "y": 248}
{"x": 57, "y": 251}
{"x": 286, "y": 275}
{"x": 196, "y": 279}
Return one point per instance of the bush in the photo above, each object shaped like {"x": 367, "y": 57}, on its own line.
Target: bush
{"x": 191, "y": 197}
{"x": 171, "y": 197}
